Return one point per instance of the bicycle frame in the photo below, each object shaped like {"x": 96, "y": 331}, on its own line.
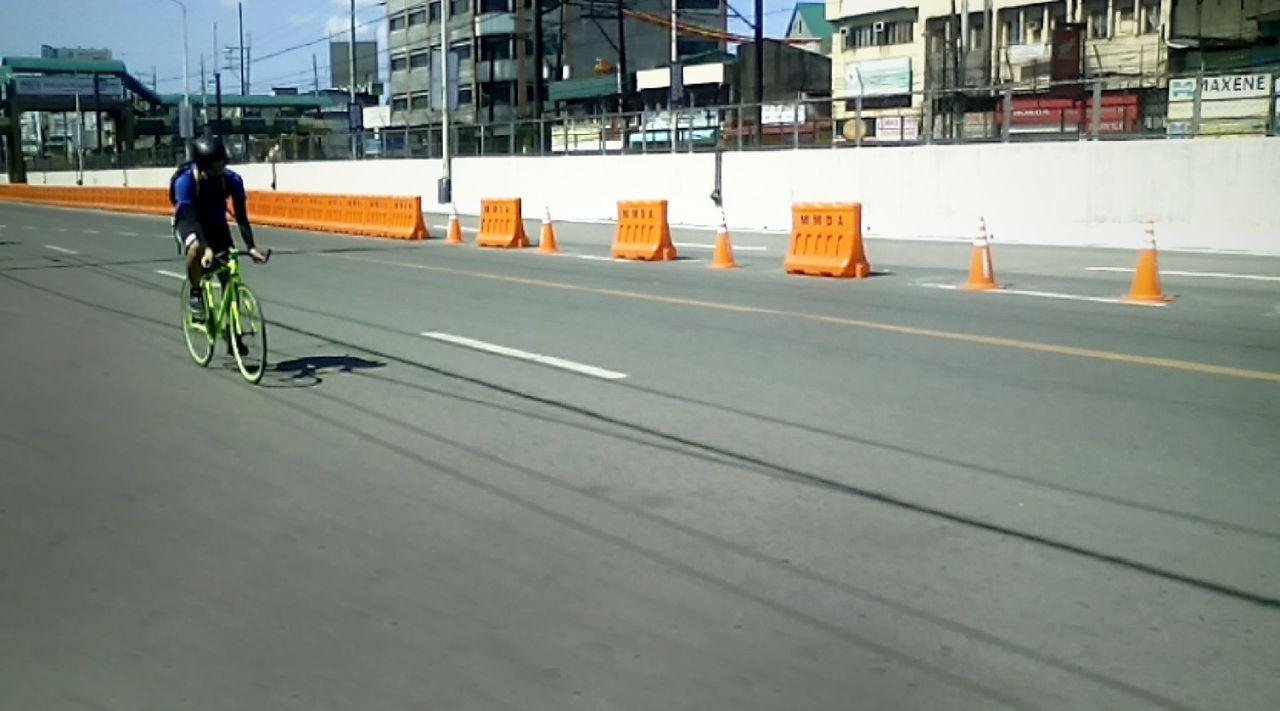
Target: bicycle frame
{"x": 227, "y": 313}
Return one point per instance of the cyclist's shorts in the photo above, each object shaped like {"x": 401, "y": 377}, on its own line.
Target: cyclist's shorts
{"x": 217, "y": 236}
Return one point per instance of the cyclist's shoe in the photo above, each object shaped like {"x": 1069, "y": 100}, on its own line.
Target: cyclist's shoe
{"x": 196, "y": 303}
{"x": 240, "y": 346}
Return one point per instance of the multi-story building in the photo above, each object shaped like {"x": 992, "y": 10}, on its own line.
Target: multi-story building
{"x": 493, "y": 64}
{"x": 809, "y": 21}
{"x": 922, "y": 71}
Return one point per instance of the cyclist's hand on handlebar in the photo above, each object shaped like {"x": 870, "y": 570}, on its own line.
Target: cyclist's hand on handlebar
{"x": 206, "y": 260}
{"x": 257, "y": 255}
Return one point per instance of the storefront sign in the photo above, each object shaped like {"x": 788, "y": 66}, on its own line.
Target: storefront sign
{"x": 1118, "y": 113}
{"x": 782, "y": 114}
{"x": 898, "y": 128}
{"x": 879, "y": 77}
{"x": 1239, "y": 86}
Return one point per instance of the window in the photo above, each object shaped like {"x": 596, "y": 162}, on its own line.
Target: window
{"x": 497, "y": 94}
{"x": 418, "y": 60}
{"x": 691, "y": 47}
{"x": 397, "y": 23}
{"x": 1099, "y": 23}
{"x": 417, "y": 17}
{"x": 433, "y": 10}
{"x": 495, "y": 6}
{"x": 399, "y": 103}
{"x": 399, "y": 63}
{"x": 900, "y": 32}
{"x": 1013, "y": 28}
{"x": 493, "y": 48}
{"x": 461, "y": 51}
{"x": 421, "y": 100}
{"x": 464, "y": 96}
{"x": 459, "y": 7}
{"x": 977, "y": 27}
{"x": 1124, "y": 18}
{"x": 1151, "y": 15}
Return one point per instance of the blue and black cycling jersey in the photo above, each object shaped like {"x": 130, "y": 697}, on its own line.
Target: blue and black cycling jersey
{"x": 201, "y": 206}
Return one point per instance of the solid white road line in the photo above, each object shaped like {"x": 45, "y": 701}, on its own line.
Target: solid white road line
{"x": 174, "y": 275}
{"x": 552, "y": 361}
{"x": 736, "y": 247}
{"x": 1206, "y": 275}
{"x": 64, "y": 250}
{"x": 1053, "y": 295}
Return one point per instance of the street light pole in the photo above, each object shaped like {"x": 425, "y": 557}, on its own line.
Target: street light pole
{"x": 184, "y": 116}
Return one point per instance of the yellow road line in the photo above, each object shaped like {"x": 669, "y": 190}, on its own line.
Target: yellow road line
{"x": 1013, "y": 343}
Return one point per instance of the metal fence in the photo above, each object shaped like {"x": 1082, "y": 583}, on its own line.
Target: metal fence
{"x": 1173, "y": 108}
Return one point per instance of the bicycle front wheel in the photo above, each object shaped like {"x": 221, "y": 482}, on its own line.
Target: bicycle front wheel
{"x": 195, "y": 331}
{"x": 249, "y": 331}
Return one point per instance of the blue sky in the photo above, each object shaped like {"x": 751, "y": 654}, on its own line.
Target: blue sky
{"x": 147, "y": 34}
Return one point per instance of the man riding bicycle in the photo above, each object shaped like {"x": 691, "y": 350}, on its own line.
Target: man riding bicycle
{"x": 200, "y": 197}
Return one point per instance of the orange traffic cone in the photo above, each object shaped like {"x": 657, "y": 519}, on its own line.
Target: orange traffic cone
{"x": 982, "y": 276}
{"x": 723, "y": 257}
{"x": 454, "y": 235}
{"x": 1146, "y": 278}
{"x": 547, "y": 240}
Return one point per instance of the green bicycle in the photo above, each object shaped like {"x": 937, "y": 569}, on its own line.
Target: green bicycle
{"x": 237, "y": 315}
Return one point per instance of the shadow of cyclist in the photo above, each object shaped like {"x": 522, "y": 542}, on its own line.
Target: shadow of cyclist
{"x": 313, "y": 367}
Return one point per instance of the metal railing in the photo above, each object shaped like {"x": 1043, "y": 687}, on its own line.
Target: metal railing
{"x": 1104, "y": 109}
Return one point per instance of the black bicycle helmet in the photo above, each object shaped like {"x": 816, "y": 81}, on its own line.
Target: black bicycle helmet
{"x": 207, "y": 151}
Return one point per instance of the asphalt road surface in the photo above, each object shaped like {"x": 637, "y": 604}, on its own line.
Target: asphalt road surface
{"x": 602, "y": 485}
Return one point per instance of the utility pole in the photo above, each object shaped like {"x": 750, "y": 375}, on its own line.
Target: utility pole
{"x": 444, "y": 192}
{"x": 244, "y": 89}
{"x": 759, "y": 41}
{"x": 315, "y": 73}
{"x": 248, "y": 65}
{"x": 204, "y": 95}
{"x": 539, "y": 81}
{"x": 352, "y": 109}
{"x": 624, "y": 85}
{"x": 240, "y": 10}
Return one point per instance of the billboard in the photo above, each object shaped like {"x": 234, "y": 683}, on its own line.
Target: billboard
{"x": 366, "y": 65}
{"x": 68, "y": 87}
{"x": 878, "y": 77}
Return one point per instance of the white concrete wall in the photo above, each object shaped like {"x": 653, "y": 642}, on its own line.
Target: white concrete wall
{"x": 1202, "y": 194}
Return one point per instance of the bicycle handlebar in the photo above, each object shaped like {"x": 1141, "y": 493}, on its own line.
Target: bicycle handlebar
{"x": 220, "y": 259}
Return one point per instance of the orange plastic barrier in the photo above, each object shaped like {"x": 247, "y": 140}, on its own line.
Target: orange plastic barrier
{"x": 826, "y": 240}
{"x": 374, "y": 216}
{"x": 501, "y": 224}
{"x": 643, "y": 232}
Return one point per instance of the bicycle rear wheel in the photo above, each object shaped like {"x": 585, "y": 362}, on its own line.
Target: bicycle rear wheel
{"x": 195, "y": 332}
{"x": 249, "y": 331}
